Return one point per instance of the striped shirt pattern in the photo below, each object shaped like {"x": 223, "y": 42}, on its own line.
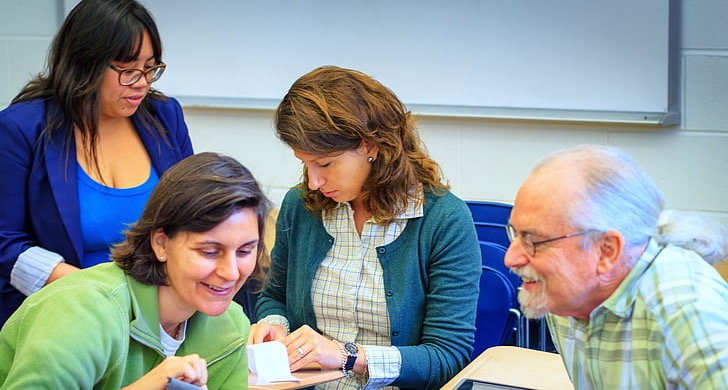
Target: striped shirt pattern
{"x": 33, "y": 268}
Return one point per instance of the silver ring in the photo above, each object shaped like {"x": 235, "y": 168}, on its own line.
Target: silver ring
{"x": 300, "y": 351}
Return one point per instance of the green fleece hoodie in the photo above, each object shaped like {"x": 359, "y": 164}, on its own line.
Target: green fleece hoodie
{"x": 99, "y": 328}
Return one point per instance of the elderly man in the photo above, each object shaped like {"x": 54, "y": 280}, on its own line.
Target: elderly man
{"x": 626, "y": 308}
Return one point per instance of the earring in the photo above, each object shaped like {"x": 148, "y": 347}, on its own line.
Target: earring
{"x": 161, "y": 258}
{"x": 370, "y": 159}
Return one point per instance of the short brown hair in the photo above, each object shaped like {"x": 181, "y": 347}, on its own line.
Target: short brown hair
{"x": 195, "y": 195}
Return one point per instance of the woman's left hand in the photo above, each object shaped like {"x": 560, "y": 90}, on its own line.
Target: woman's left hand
{"x": 306, "y": 346}
{"x": 190, "y": 368}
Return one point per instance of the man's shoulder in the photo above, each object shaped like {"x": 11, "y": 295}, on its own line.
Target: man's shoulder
{"x": 681, "y": 277}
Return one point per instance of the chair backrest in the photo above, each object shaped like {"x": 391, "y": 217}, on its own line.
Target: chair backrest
{"x": 487, "y": 211}
{"x": 493, "y": 255}
{"x": 496, "y": 318}
{"x": 492, "y": 232}
{"x": 490, "y": 220}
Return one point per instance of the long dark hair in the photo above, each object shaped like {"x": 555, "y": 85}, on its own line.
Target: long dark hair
{"x": 95, "y": 33}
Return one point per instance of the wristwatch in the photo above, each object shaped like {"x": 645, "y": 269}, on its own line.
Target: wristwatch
{"x": 352, "y": 351}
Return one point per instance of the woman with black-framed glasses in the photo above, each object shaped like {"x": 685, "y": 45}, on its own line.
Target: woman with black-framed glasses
{"x": 86, "y": 142}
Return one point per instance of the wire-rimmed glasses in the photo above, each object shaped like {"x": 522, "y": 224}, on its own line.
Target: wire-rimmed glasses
{"x": 527, "y": 241}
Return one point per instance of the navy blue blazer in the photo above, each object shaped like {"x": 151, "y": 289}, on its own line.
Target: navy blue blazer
{"x": 39, "y": 191}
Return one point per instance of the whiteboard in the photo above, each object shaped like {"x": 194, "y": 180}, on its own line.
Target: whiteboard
{"x": 480, "y": 56}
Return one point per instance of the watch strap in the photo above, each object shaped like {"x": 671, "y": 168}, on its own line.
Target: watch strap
{"x": 350, "y": 357}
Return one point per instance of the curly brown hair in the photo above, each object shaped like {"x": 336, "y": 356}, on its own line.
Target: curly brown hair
{"x": 332, "y": 109}
{"x": 195, "y": 195}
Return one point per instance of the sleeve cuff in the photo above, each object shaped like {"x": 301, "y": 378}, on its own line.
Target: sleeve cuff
{"x": 275, "y": 319}
{"x": 384, "y": 365}
{"x": 33, "y": 268}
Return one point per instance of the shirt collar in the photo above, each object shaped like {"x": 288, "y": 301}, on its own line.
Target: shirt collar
{"x": 415, "y": 207}
{"x": 621, "y": 302}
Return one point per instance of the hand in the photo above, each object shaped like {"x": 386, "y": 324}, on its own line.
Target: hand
{"x": 306, "y": 346}
{"x": 191, "y": 369}
{"x": 262, "y": 332}
{"x": 61, "y": 270}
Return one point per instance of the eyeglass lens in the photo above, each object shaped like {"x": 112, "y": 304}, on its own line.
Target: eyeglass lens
{"x": 131, "y": 76}
{"x": 526, "y": 240}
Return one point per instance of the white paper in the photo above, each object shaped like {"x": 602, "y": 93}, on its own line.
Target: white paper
{"x": 269, "y": 362}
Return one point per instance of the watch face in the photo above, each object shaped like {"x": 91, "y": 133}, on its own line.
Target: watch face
{"x": 351, "y": 348}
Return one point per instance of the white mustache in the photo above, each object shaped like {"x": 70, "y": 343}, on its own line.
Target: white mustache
{"x": 527, "y": 272}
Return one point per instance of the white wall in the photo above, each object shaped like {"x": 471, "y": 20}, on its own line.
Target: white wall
{"x": 484, "y": 159}
{"x": 26, "y": 31}
{"x": 459, "y": 56}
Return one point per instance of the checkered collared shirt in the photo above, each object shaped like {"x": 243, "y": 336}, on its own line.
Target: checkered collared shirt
{"x": 348, "y": 293}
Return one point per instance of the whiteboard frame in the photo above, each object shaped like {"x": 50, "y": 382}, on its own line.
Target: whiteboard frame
{"x": 670, "y": 116}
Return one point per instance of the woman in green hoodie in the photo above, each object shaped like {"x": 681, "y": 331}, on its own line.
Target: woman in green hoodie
{"x": 163, "y": 309}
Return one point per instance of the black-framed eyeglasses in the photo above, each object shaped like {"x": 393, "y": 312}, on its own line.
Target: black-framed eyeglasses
{"x": 527, "y": 241}
{"x": 129, "y": 76}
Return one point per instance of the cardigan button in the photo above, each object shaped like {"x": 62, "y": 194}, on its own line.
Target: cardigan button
{"x": 382, "y": 250}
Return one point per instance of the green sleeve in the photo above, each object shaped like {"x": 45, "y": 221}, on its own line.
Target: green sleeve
{"x": 73, "y": 337}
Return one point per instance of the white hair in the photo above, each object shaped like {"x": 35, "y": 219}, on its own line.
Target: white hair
{"x": 697, "y": 232}
{"x": 619, "y": 195}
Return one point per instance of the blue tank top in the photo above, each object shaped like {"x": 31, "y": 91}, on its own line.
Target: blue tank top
{"x": 107, "y": 212}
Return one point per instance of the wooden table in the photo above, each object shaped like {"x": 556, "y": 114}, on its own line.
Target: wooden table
{"x": 516, "y": 367}
{"x": 308, "y": 377}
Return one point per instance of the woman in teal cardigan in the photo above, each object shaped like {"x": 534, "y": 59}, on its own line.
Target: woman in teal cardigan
{"x": 376, "y": 265}
{"x": 163, "y": 309}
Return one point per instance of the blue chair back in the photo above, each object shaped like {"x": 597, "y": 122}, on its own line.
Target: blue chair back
{"x": 487, "y": 211}
{"x": 493, "y": 255}
{"x": 490, "y": 220}
{"x": 492, "y": 232}
{"x": 496, "y": 318}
